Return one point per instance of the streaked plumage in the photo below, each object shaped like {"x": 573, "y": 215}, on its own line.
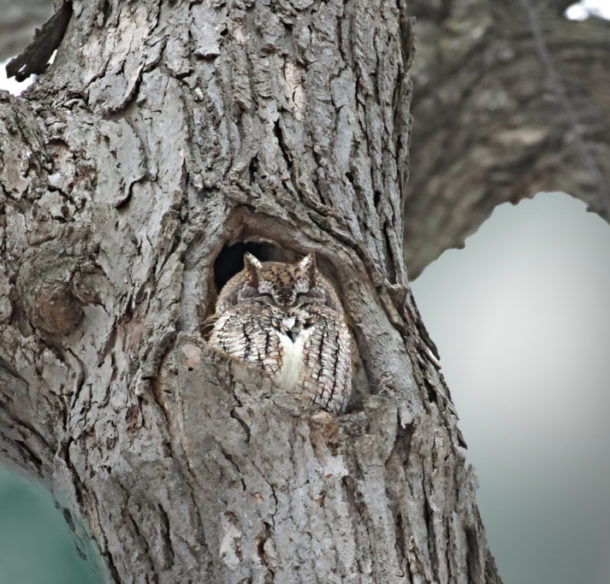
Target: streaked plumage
{"x": 287, "y": 319}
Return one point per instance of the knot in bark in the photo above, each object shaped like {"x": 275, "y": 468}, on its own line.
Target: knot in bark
{"x": 52, "y": 285}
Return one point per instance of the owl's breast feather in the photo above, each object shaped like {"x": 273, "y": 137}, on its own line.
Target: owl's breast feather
{"x": 292, "y": 350}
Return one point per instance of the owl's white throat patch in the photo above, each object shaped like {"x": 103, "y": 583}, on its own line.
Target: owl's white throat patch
{"x": 292, "y": 353}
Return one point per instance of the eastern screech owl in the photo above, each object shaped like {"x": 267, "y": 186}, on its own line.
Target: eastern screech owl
{"x": 287, "y": 319}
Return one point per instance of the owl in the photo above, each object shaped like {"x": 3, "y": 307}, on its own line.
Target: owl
{"x": 287, "y": 320}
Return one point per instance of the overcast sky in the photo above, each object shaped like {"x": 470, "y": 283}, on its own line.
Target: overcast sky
{"x": 522, "y": 321}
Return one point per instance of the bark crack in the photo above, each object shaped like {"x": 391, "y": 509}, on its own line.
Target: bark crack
{"x": 166, "y": 531}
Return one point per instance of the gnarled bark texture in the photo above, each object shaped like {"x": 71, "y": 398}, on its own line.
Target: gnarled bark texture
{"x": 163, "y": 133}
{"x": 508, "y": 100}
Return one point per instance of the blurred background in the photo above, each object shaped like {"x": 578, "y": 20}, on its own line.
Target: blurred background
{"x": 36, "y": 545}
{"x": 522, "y": 320}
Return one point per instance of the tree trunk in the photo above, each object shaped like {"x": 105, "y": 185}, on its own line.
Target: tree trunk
{"x": 163, "y": 134}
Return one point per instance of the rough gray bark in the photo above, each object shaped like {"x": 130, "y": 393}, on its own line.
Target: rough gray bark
{"x": 162, "y": 133}
{"x": 510, "y": 99}
{"x": 540, "y": 112}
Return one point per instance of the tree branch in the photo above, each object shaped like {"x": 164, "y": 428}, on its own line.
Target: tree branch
{"x": 507, "y": 102}
{"x": 35, "y": 58}
{"x": 18, "y": 23}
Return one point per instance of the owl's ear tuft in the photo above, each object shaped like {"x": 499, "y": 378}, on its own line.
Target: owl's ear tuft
{"x": 307, "y": 266}
{"x": 252, "y": 267}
